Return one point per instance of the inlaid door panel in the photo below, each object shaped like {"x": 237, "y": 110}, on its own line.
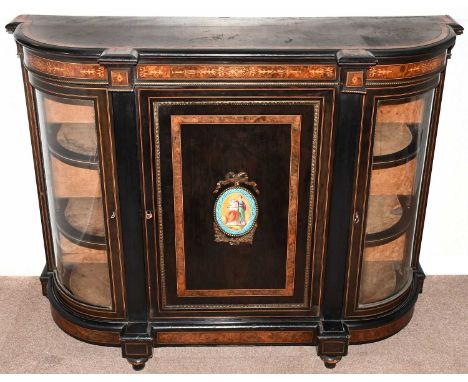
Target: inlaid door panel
{"x": 235, "y": 191}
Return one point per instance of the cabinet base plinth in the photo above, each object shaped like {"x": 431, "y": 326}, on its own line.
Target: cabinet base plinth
{"x": 137, "y": 340}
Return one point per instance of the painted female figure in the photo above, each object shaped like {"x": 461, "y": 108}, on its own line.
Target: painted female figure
{"x": 242, "y": 208}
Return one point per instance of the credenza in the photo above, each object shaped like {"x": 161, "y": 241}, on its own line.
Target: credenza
{"x": 232, "y": 181}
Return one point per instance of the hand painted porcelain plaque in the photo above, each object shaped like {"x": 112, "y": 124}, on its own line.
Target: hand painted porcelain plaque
{"x": 235, "y": 210}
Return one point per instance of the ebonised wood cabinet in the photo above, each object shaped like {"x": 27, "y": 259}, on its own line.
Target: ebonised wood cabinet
{"x": 233, "y": 181}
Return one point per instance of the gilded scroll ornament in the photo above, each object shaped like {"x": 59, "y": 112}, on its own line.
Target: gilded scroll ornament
{"x": 236, "y": 179}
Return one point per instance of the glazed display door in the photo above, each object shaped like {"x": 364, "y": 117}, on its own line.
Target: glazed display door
{"x": 77, "y": 174}
{"x": 236, "y": 191}
{"x": 393, "y": 169}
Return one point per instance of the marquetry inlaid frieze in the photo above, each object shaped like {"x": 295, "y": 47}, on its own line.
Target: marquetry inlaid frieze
{"x": 408, "y": 70}
{"x": 236, "y": 72}
{"x": 65, "y": 69}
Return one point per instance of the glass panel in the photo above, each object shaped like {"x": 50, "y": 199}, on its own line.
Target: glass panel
{"x": 71, "y": 165}
{"x": 399, "y": 149}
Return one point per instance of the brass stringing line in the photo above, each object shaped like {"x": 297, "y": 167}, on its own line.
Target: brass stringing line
{"x": 353, "y": 91}
{"x": 159, "y": 204}
{"x": 239, "y": 306}
{"x": 159, "y": 199}
{"x": 311, "y": 203}
{"x": 219, "y": 83}
{"x": 128, "y": 90}
{"x": 370, "y": 83}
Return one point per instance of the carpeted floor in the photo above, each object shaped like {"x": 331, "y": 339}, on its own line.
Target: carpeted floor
{"x": 435, "y": 341}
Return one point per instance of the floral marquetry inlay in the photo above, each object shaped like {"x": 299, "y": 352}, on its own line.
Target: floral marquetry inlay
{"x": 227, "y": 72}
{"x": 409, "y": 70}
{"x": 65, "y": 69}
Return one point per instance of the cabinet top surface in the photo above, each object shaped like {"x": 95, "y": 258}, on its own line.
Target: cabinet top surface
{"x": 232, "y": 35}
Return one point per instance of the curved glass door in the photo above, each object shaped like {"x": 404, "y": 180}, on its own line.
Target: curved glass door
{"x": 71, "y": 165}
{"x": 399, "y": 147}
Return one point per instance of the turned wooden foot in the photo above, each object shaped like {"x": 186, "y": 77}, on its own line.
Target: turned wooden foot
{"x": 330, "y": 362}
{"x": 137, "y": 363}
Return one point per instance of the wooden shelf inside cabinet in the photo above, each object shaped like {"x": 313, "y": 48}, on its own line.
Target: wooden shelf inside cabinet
{"x": 388, "y": 218}
{"x": 74, "y": 144}
{"x": 88, "y": 282}
{"x": 71, "y": 252}
{"x": 380, "y": 280}
{"x": 394, "y": 144}
{"x": 81, "y": 221}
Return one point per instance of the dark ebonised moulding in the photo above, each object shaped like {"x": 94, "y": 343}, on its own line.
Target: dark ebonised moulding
{"x": 225, "y": 181}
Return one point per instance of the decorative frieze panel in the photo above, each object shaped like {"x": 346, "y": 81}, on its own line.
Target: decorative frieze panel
{"x": 404, "y": 71}
{"x": 236, "y": 72}
{"x": 65, "y": 69}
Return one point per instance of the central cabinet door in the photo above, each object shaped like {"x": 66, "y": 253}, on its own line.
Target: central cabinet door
{"x": 235, "y": 190}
